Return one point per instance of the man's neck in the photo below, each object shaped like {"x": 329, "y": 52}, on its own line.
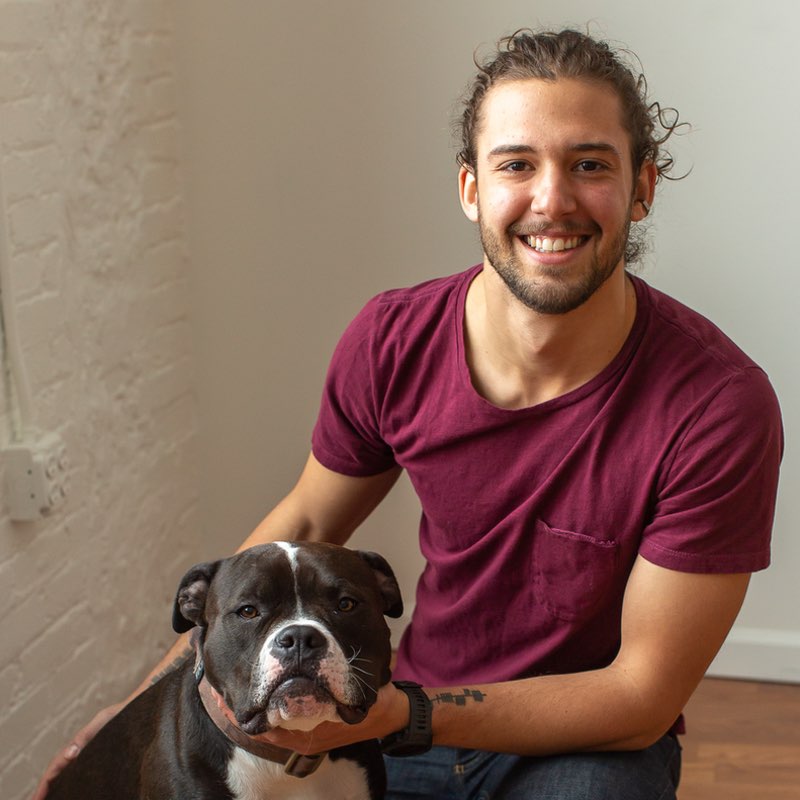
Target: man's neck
{"x": 519, "y": 358}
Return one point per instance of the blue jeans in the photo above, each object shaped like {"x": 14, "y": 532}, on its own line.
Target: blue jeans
{"x": 446, "y": 773}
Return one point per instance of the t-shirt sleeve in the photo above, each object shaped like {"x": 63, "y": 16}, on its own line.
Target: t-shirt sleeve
{"x": 716, "y": 500}
{"x": 347, "y": 437}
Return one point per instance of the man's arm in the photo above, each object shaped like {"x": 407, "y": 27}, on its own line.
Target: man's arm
{"x": 323, "y": 506}
{"x": 673, "y": 624}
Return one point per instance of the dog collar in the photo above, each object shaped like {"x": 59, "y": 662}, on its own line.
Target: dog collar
{"x": 296, "y": 764}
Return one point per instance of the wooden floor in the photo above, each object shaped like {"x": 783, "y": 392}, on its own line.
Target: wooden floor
{"x": 742, "y": 742}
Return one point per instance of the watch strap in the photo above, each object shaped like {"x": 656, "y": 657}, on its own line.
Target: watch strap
{"x": 417, "y": 736}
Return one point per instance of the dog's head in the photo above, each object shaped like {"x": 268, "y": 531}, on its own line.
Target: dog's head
{"x": 293, "y": 634}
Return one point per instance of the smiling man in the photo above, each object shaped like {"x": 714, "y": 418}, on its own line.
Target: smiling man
{"x": 554, "y": 173}
{"x": 597, "y": 464}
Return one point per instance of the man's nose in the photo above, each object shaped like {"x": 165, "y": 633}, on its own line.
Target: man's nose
{"x": 553, "y": 194}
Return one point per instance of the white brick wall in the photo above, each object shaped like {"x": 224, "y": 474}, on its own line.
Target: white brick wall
{"x": 94, "y": 212}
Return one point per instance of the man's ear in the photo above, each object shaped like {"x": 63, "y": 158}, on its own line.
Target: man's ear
{"x": 387, "y": 583}
{"x": 468, "y": 192}
{"x": 644, "y": 191}
{"x": 190, "y": 601}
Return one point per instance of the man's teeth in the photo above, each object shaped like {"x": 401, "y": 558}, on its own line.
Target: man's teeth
{"x": 546, "y": 244}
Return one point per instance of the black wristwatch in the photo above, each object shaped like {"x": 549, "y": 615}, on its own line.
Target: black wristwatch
{"x": 417, "y": 737}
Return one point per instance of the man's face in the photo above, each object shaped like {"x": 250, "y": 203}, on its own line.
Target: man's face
{"x": 553, "y": 190}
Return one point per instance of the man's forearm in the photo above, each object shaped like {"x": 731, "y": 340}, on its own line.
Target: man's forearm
{"x": 599, "y": 710}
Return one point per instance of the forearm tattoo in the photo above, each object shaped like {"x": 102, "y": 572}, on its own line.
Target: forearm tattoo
{"x": 179, "y": 661}
{"x": 459, "y": 699}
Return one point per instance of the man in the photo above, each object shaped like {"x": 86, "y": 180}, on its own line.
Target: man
{"x": 597, "y": 464}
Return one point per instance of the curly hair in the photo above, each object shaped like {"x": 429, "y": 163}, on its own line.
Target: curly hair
{"x": 568, "y": 53}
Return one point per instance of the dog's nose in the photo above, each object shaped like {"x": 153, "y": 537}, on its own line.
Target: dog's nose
{"x": 300, "y": 641}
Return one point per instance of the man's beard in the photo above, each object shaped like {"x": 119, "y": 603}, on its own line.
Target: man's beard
{"x": 555, "y": 295}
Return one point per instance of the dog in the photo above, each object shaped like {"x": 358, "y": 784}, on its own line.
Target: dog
{"x": 285, "y": 635}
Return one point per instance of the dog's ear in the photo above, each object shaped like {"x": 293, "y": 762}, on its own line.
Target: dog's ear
{"x": 190, "y": 601}
{"x": 393, "y": 602}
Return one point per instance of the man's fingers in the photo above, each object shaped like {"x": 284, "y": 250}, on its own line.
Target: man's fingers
{"x": 68, "y": 754}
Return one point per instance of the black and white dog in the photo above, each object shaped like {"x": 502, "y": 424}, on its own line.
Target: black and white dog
{"x": 288, "y": 635}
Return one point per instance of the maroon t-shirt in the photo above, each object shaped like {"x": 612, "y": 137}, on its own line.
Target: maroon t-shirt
{"x": 532, "y": 518}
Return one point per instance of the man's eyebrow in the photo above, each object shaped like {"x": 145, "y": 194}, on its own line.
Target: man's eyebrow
{"x": 595, "y": 147}
{"x": 579, "y": 147}
{"x": 511, "y": 149}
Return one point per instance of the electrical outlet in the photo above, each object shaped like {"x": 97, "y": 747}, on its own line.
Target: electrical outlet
{"x": 36, "y": 476}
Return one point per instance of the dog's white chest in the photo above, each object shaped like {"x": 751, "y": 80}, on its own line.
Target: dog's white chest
{"x": 253, "y": 778}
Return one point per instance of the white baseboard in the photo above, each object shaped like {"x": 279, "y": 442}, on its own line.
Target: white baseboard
{"x": 759, "y": 654}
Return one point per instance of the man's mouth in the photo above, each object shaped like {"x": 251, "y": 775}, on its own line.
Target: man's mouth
{"x": 553, "y": 244}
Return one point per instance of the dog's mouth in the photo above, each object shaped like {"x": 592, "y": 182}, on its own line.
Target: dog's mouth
{"x": 299, "y": 703}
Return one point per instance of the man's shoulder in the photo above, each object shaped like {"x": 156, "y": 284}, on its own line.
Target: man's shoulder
{"x": 683, "y": 333}
{"x": 696, "y": 369}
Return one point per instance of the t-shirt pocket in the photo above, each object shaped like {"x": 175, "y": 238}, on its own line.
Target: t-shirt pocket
{"x": 572, "y": 571}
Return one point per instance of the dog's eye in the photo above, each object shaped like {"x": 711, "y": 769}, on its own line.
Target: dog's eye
{"x": 347, "y": 604}
{"x": 248, "y": 612}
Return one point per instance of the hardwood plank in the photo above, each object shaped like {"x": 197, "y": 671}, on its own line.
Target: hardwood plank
{"x": 743, "y": 741}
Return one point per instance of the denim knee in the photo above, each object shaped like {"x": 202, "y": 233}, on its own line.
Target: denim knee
{"x": 453, "y": 774}
{"x": 650, "y": 774}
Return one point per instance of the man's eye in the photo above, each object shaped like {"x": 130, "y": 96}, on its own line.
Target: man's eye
{"x": 516, "y": 166}
{"x": 248, "y": 612}
{"x": 590, "y": 166}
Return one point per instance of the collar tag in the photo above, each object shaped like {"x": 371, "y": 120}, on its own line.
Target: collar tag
{"x": 301, "y": 766}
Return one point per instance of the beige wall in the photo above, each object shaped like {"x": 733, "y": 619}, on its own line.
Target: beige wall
{"x": 320, "y": 172}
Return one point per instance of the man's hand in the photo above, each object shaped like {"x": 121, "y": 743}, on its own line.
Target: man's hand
{"x": 70, "y": 753}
